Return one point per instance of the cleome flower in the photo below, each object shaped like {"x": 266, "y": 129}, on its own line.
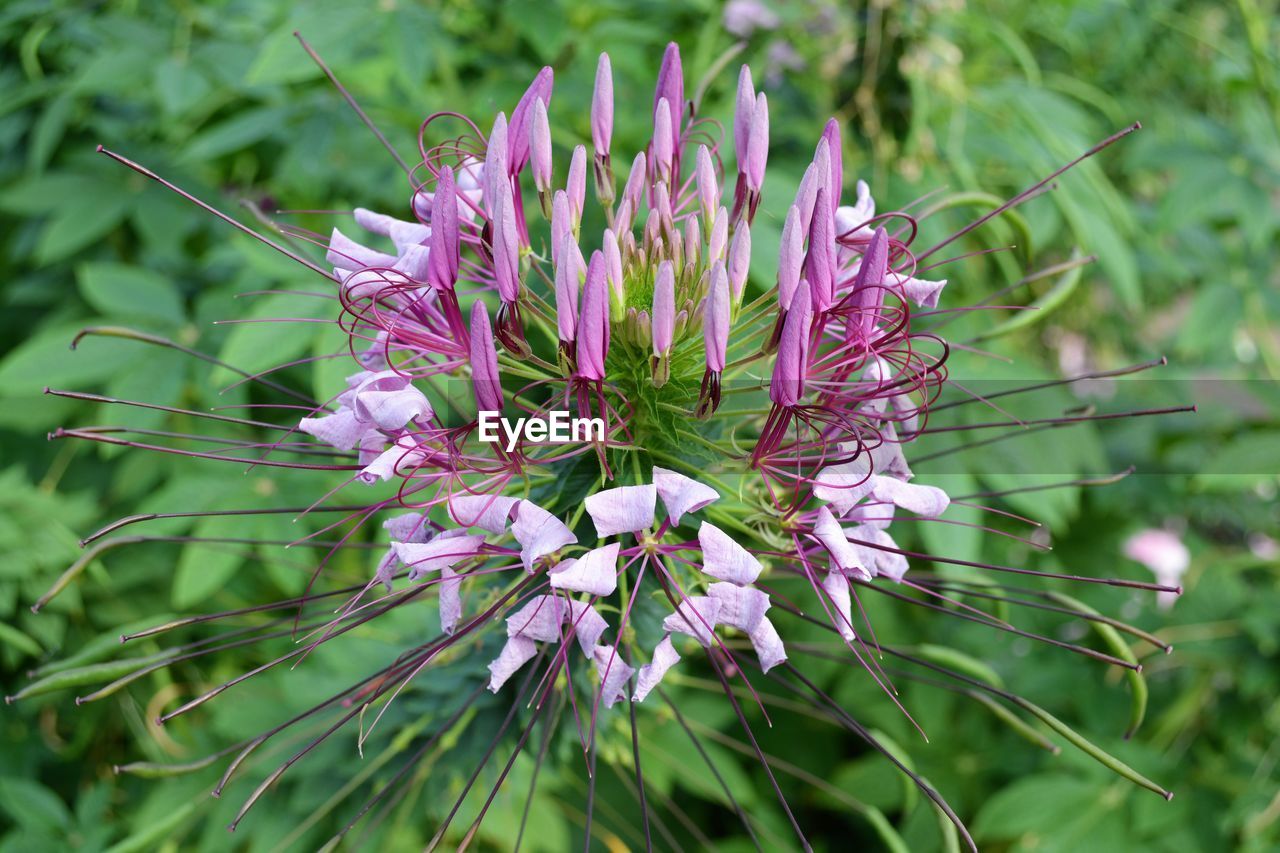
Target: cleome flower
{"x": 757, "y": 426}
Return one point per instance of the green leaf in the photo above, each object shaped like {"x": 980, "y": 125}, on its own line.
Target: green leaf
{"x": 239, "y": 131}
{"x": 32, "y": 805}
{"x": 20, "y": 641}
{"x": 129, "y": 292}
{"x": 204, "y": 569}
{"x": 1034, "y": 804}
{"x": 256, "y": 346}
{"x": 80, "y": 221}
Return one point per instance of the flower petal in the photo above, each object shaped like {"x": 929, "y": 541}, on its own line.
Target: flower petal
{"x": 539, "y": 620}
{"x": 845, "y": 484}
{"x": 341, "y": 429}
{"x": 681, "y": 494}
{"x": 768, "y": 645}
{"x": 516, "y": 653}
{"x": 539, "y": 533}
{"x": 389, "y": 400}
{"x": 845, "y": 558}
{"x": 450, "y": 599}
{"x": 614, "y": 674}
{"x": 741, "y": 607}
{"x": 695, "y": 616}
{"x": 873, "y": 544}
{"x": 836, "y": 586}
{"x": 626, "y": 509}
{"x": 588, "y": 625}
{"x": 724, "y": 558}
{"x": 665, "y": 656}
{"x": 923, "y": 293}
{"x": 927, "y": 501}
{"x": 489, "y": 512}
{"x": 423, "y": 557}
{"x": 595, "y": 572}
{"x": 409, "y": 527}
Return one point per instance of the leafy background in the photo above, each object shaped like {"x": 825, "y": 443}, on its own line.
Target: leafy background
{"x": 980, "y": 96}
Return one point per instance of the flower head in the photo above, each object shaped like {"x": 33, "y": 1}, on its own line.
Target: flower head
{"x": 754, "y": 424}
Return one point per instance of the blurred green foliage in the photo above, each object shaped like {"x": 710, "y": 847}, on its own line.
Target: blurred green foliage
{"x": 985, "y": 97}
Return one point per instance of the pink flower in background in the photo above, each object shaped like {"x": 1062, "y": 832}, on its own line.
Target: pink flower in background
{"x": 1164, "y": 554}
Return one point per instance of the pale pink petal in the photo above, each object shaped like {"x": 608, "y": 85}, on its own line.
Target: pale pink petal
{"x": 391, "y": 410}
{"x": 626, "y": 509}
{"x": 401, "y": 457}
{"x": 681, "y": 494}
{"x": 845, "y": 558}
{"x": 539, "y": 533}
{"x": 408, "y": 527}
{"x": 927, "y": 501}
{"x": 539, "y": 620}
{"x": 836, "y": 586}
{"x": 587, "y": 625}
{"x": 341, "y": 429}
{"x": 346, "y": 254}
{"x": 423, "y": 557}
{"x": 371, "y": 220}
{"x": 724, "y": 558}
{"x": 516, "y": 653}
{"x": 923, "y": 293}
{"x": 884, "y": 562}
{"x": 614, "y": 674}
{"x": 665, "y": 656}
{"x": 768, "y": 645}
{"x": 887, "y": 457}
{"x": 386, "y": 570}
{"x": 742, "y": 607}
{"x": 845, "y": 484}
{"x": 450, "y": 599}
{"x": 407, "y": 234}
{"x": 413, "y": 263}
{"x": 595, "y": 572}
{"x": 488, "y": 512}
{"x": 695, "y": 616}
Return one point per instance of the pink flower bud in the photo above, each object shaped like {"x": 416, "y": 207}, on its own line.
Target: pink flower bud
{"x": 708, "y": 187}
{"x": 719, "y": 236}
{"x": 662, "y": 148}
{"x": 442, "y": 260}
{"x": 820, "y": 262}
{"x": 633, "y": 190}
{"x": 540, "y": 147}
{"x": 522, "y": 118}
{"x": 576, "y": 185}
{"x": 664, "y": 308}
{"x": 593, "y": 323}
{"x": 495, "y": 165}
{"x": 715, "y": 320}
{"x": 484, "y": 362}
{"x": 602, "y": 107}
{"x": 670, "y": 88}
{"x": 758, "y": 143}
{"x": 835, "y": 150}
{"x": 868, "y": 284}
{"x": 568, "y": 282}
{"x": 613, "y": 274}
{"x": 561, "y": 223}
{"x": 742, "y": 117}
{"x": 739, "y": 261}
{"x": 792, "y": 364}
{"x": 790, "y": 258}
{"x": 506, "y": 246}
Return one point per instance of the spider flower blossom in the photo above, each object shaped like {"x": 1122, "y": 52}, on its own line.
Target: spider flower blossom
{"x": 757, "y": 425}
